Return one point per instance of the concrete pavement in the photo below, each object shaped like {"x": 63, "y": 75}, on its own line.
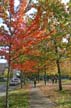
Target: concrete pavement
{"x": 38, "y": 100}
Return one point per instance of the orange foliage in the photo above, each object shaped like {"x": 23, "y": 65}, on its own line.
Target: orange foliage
{"x": 28, "y": 66}
{"x": 21, "y": 36}
{"x": 11, "y": 3}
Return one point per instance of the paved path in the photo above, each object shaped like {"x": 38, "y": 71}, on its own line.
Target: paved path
{"x": 38, "y": 100}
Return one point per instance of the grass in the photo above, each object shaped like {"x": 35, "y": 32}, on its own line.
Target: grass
{"x": 62, "y": 99}
{"x": 17, "y": 99}
{"x": 65, "y": 81}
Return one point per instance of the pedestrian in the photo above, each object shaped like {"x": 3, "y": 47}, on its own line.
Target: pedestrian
{"x": 35, "y": 82}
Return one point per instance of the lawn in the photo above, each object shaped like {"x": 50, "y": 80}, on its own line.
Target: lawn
{"x": 17, "y": 99}
{"x": 61, "y": 99}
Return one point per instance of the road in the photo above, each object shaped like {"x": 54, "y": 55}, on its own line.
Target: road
{"x": 3, "y": 89}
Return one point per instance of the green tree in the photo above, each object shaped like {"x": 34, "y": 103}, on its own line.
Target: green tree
{"x": 56, "y": 16}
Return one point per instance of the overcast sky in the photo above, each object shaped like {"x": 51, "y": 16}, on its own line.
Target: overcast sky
{"x": 65, "y": 1}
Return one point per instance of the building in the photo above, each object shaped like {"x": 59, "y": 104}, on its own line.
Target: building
{"x": 3, "y": 66}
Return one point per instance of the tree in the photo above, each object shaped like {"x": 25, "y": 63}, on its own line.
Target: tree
{"x": 57, "y": 17}
{"x": 18, "y": 36}
{"x": 13, "y": 19}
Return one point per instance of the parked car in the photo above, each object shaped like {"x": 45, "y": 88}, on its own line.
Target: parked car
{"x": 14, "y": 81}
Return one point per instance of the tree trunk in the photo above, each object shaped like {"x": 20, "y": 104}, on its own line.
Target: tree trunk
{"x": 7, "y": 87}
{"x": 21, "y": 76}
{"x": 58, "y": 66}
{"x": 59, "y": 75}
{"x": 24, "y": 77}
{"x": 45, "y": 76}
{"x": 38, "y": 75}
{"x": 8, "y": 77}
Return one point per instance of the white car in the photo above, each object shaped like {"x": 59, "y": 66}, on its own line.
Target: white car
{"x": 14, "y": 81}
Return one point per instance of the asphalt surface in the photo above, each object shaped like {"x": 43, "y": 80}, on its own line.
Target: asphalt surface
{"x": 3, "y": 89}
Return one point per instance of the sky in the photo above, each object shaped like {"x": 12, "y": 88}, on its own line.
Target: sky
{"x": 30, "y": 11}
{"x": 65, "y": 1}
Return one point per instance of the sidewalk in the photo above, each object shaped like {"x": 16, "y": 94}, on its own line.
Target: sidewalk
{"x": 38, "y": 100}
